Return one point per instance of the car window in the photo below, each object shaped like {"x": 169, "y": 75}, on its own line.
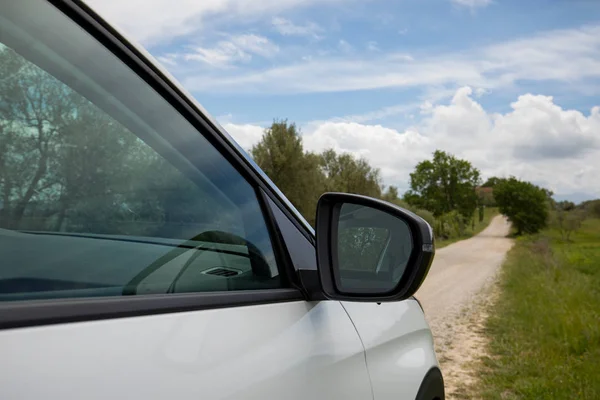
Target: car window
{"x": 105, "y": 189}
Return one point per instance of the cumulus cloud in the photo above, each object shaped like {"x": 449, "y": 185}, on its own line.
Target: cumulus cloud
{"x": 539, "y": 129}
{"x": 537, "y": 140}
{"x": 247, "y": 135}
{"x": 395, "y": 153}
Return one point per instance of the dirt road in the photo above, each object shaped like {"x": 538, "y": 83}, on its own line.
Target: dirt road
{"x": 460, "y": 270}
{"x": 452, "y": 294}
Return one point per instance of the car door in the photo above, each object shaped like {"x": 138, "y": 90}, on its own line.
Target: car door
{"x": 140, "y": 255}
{"x": 397, "y": 340}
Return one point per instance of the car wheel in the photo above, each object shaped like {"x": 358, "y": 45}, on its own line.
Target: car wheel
{"x": 432, "y": 387}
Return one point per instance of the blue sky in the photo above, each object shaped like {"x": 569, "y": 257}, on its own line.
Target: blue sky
{"x": 510, "y": 85}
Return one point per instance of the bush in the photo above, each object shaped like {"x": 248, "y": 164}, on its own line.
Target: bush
{"x": 426, "y": 215}
{"x": 525, "y": 204}
{"x": 451, "y": 224}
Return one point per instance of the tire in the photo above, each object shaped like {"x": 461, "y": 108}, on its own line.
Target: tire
{"x": 432, "y": 387}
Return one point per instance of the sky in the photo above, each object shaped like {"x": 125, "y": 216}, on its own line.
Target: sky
{"x": 512, "y": 86}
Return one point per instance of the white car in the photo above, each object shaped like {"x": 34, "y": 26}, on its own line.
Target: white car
{"x": 143, "y": 255}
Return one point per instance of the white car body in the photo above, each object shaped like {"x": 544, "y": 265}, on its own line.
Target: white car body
{"x": 292, "y": 349}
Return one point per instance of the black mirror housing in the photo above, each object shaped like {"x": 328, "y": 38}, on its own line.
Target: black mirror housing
{"x": 370, "y": 250}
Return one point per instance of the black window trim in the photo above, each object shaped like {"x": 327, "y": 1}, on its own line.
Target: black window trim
{"x": 283, "y": 259}
{"x": 46, "y": 312}
{"x": 57, "y": 311}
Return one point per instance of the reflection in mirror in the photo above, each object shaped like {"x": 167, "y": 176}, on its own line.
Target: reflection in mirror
{"x": 373, "y": 249}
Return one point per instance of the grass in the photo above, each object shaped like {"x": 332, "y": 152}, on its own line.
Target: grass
{"x": 544, "y": 330}
{"x": 488, "y": 214}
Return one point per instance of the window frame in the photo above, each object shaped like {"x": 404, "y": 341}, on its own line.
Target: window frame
{"x": 43, "y": 312}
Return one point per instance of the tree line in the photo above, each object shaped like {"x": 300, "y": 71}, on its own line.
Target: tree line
{"x": 442, "y": 190}
{"x": 446, "y": 191}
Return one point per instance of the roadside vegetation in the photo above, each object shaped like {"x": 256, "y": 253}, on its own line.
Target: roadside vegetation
{"x": 544, "y": 330}
{"x": 473, "y": 229}
{"x": 443, "y": 190}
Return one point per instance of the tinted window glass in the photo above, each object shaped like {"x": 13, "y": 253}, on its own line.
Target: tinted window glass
{"x": 104, "y": 188}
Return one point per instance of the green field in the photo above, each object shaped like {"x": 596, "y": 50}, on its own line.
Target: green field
{"x": 488, "y": 214}
{"x": 544, "y": 330}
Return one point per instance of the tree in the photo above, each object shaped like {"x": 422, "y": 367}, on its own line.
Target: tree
{"x": 35, "y": 108}
{"x": 565, "y": 205}
{"x": 391, "y": 194}
{"x": 591, "y": 207}
{"x": 485, "y": 196}
{"x": 65, "y": 165}
{"x": 297, "y": 174}
{"x": 492, "y": 182}
{"x": 567, "y": 221}
{"x": 444, "y": 184}
{"x": 304, "y": 176}
{"x": 524, "y": 203}
{"x": 345, "y": 173}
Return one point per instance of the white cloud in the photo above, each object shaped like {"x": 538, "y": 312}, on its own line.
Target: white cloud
{"x": 247, "y": 135}
{"x": 460, "y": 121}
{"x": 158, "y": 21}
{"x": 288, "y": 28}
{"x": 540, "y": 129}
{"x": 237, "y": 48}
{"x": 472, "y": 4}
{"x": 568, "y": 56}
{"x": 537, "y": 140}
{"x": 393, "y": 152}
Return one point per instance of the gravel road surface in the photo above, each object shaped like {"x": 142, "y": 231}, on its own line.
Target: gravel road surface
{"x": 461, "y": 270}
{"x": 454, "y": 294}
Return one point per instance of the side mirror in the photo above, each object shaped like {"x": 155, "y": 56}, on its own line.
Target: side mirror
{"x": 370, "y": 250}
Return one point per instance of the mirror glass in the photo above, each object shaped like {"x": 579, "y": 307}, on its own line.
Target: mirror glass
{"x": 373, "y": 249}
